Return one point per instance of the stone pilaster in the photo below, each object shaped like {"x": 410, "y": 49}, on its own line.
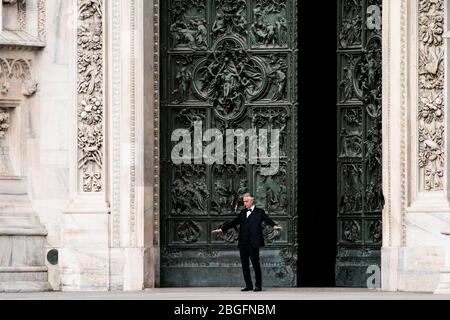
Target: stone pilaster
{"x": 86, "y": 222}
{"x": 134, "y": 163}
{"x": 415, "y": 145}
{"x": 395, "y": 33}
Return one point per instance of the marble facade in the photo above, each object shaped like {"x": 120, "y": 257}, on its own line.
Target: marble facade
{"x": 91, "y": 72}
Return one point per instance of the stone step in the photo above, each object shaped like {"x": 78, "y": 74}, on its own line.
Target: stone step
{"x": 24, "y": 287}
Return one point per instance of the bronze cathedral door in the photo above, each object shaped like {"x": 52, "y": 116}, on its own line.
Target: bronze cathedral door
{"x": 359, "y": 158}
{"x": 227, "y": 64}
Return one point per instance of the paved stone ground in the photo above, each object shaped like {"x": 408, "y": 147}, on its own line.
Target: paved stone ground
{"x": 228, "y": 294}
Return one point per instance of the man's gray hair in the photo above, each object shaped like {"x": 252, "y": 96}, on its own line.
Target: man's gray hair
{"x": 248, "y": 195}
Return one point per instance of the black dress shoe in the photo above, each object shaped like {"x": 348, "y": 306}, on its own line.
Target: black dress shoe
{"x": 246, "y": 289}
{"x": 257, "y": 289}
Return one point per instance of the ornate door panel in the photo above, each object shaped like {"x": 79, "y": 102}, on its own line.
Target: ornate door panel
{"x": 359, "y": 114}
{"x": 229, "y": 64}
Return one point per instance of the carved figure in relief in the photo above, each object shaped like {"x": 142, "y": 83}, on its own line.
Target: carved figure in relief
{"x": 222, "y": 194}
{"x": 219, "y": 25}
{"x": 230, "y": 18}
{"x": 194, "y": 34}
{"x": 270, "y": 26}
{"x": 189, "y": 196}
{"x": 202, "y": 33}
{"x": 188, "y": 232}
{"x": 182, "y": 34}
{"x": 183, "y": 80}
{"x": 279, "y": 76}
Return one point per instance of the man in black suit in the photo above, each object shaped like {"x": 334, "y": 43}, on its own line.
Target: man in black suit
{"x": 250, "y": 239}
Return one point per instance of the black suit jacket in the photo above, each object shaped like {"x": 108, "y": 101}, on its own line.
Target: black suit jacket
{"x": 255, "y": 220}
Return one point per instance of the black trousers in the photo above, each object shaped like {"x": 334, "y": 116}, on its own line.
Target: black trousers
{"x": 248, "y": 252}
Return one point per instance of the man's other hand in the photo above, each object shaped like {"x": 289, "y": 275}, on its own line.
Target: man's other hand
{"x": 217, "y": 232}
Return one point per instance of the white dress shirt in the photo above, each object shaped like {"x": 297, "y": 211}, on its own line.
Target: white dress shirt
{"x": 250, "y": 211}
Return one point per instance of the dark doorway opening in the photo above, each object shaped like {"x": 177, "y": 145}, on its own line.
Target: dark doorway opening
{"x": 340, "y": 133}
{"x": 317, "y": 145}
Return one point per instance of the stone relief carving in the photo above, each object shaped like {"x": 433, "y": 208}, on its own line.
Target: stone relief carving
{"x": 17, "y": 69}
{"x": 41, "y": 20}
{"x": 4, "y": 152}
{"x": 431, "y": 84}
{"x": 24, "y": 18}
{"x": 4, "y": 123}
{"x": 5, "y": 161}
{"x": 90, "y": 94}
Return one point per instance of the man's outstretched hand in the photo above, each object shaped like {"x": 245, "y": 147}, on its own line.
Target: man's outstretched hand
{"x": 217, "y": 232}
{"x": 278, "y": 227}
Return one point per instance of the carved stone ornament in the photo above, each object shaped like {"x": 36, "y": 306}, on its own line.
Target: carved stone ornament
{"x": 90, "y": 94}
{"x": 431, "y": 129}
{"x": 19, "y": 70}
{"x": 4, "y": 123}
{"x": 5, "y": 159}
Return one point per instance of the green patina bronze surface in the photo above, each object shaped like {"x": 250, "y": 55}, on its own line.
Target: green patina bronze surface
{"x": 359, "y": 112}
{"x": 230, "y": 64}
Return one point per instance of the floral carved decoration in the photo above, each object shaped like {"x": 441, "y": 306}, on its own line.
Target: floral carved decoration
{"x": 90, "y": 94}
{"x": 4, "y": 123}
{"x": 431, "y": 157}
